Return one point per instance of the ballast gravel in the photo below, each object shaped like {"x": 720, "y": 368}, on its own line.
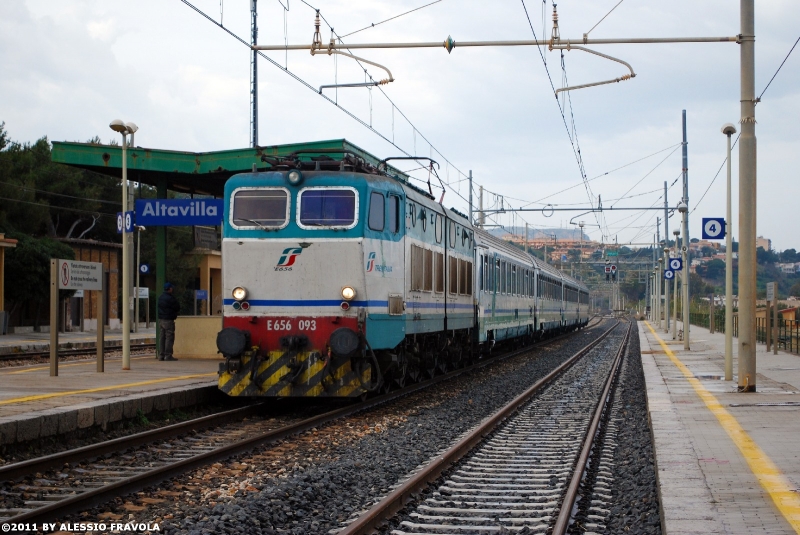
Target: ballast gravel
{"x": 315, "y": 483}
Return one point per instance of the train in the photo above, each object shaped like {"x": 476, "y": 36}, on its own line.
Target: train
{"x": 342, "y": 279}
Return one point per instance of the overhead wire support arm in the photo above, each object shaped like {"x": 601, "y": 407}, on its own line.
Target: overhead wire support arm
{"x": 451, "y": 44}
{"x": 569, "y": 47}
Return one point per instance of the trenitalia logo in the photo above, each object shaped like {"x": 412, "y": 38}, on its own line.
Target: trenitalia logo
{"x": 287, "y": 258}
{"x": 372, "y": 266}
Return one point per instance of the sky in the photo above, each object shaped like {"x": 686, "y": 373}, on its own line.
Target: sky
{"x": 71, "y": 66}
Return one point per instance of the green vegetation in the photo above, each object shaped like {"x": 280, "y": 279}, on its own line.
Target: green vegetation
{"x": 44, "y": 203}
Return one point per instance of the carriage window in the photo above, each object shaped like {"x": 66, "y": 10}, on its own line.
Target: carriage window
{"x": 453, "y": 275}
{"x": 438, "y": 228}
{"x": 257, "y": 208}
{"x": 438, "y": 270}
{"x": 376, "y": 211}
{"x": 452, "y": 234}
{"x": 514, "y": 280}
{"x": 328, "y": 207}
{"x": 394, "y": 214}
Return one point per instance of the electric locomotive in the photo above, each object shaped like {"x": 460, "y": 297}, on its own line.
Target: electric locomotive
{"x": 345, "y": 279}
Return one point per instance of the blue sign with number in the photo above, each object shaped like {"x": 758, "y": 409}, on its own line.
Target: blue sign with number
{"x": 125, "y": 222}
{"x": 201, "y": 295}
{"x": 144, "y": 269}
{"x": 675, "y": 264}
{"x": 713, "y": 228}
{"x": 178, "y": 212}
{"x": 669, "y": 274}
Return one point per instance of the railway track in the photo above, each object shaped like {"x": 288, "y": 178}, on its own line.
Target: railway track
{"x": 88, "y": 352}
{"x": 75, "y": 480}
{"x": 527, "y": 473}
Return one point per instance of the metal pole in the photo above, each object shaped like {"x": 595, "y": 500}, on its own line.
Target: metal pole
{"x": 685, "y": 247}
{"x": 53, "y": 318}
{"x": 101, "y": 335}
{"x": 481, "y": 215}
{"x": 666, "y": 259}
{"x": 747, "y": 202}
{"x": 728, "y": 130}
{"x": 126, "y": 266}
{"x": 138, "y": 264}
{"x": 676, "y": 233}
{"x": 254, "y": 77}
{"x": 526, "y": 236}
{"x": 711, "y": 326}
{"x": 530, "y": 42}
{"x": 775, "y": 322}
{"x": 471, "y": 222}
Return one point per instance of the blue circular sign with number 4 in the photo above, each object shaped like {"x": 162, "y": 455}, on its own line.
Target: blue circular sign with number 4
{"x": 713, "y": 228}
{"x": 669, "y": 274}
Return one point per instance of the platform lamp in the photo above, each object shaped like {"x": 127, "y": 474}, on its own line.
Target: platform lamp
{"x": 677, "y": 234}
{"x": 660, "y": 277}
{"x": 728, "y": 129}
{"x": 665, "y": 247}
{"x": 125, "y": 128}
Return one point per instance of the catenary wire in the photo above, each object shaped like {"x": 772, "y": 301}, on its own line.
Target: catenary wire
{"x": 391, "y": 18}
{"x": 776, "y": 72}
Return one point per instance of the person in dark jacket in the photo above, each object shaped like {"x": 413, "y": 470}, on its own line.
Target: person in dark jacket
{"x": 168, "y": 308}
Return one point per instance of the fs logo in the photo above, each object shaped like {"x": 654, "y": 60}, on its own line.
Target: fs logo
{"x": 372, "y": 266}
{"x": 287, "y": 258}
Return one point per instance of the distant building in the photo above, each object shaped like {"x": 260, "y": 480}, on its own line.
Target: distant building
{"x": 763, "y": 242}
{"x": 790, "y": 267}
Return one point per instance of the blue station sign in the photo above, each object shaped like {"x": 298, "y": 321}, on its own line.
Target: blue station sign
{"x": 179, "y": 212}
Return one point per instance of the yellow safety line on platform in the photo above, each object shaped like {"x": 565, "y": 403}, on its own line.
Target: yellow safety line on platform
{"x": 102, "y": 388}
{"x": 768, "y": 474}
{"x": 60, "y": 365}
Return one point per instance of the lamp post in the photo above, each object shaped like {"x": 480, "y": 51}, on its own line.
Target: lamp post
{"x": 684, "y": 209}
{"x": 728, "y": 129}
{"x": 665, "y": 246}
{"x": 125, "y": 129}
{"x": 677, "y": 233}
{"x": 660, "y": 276}
{"x": 139, "y": 230}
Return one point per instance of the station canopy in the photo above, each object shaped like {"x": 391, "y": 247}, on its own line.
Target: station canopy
{"x": 203, "y": 173}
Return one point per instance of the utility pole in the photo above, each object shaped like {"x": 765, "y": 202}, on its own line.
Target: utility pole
{"x": 666, "y": 259}
{"x": 481, "y": 215}
{"x": 526, "y": 236}
{"x": 683, "y": 208}
{"x": 728, "y": 129}
{"x": 254, "y": 77}
{"x": 660, "y": 274}
{"x": 747, "y": 202}
{"x": 471, "y": 222}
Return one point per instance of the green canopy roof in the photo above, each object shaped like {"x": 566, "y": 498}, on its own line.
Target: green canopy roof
{"x": 203, "y": 173}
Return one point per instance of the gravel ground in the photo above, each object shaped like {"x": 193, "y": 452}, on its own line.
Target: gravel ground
{"x": 329, "y": 475}
{"x": 636, "y": 507}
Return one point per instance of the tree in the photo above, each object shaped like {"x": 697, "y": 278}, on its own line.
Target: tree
{"x": 795, "y": 289}
{"x": 28, "y": 266}
{"x": 766, "y": 257}
{"x": 789, "y": 255}
{"x": 715, "y": 269}
{"x": 46, "y": 198}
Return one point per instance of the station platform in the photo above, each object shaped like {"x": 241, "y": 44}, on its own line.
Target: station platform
{"x": 727, "y": 462}
{"x": 34, "y": 405}
{"x": 36, "y": 342}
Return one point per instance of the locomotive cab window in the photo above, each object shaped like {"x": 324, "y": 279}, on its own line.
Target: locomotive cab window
{"x": 377, "y": 214}
{"x": 327, "y": 208}
{"x": 260, "y": 208}
{"x": 394, "y": 214}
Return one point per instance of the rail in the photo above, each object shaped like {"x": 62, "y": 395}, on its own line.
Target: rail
{"x": 397, "y": 499}
{"x": 81, "y": 501}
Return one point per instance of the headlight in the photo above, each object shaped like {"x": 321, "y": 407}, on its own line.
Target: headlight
{"x": 295, "y": 177}
{"x": 348, "y": 293}
{"x": 239, "y": 293}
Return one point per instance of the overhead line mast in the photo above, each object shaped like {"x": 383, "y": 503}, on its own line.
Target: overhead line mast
{"x": 254, "y": 76}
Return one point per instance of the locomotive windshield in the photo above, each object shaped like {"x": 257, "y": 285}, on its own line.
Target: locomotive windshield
{"x": 260, "y": 207}
{"x": 328, "y": 207}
